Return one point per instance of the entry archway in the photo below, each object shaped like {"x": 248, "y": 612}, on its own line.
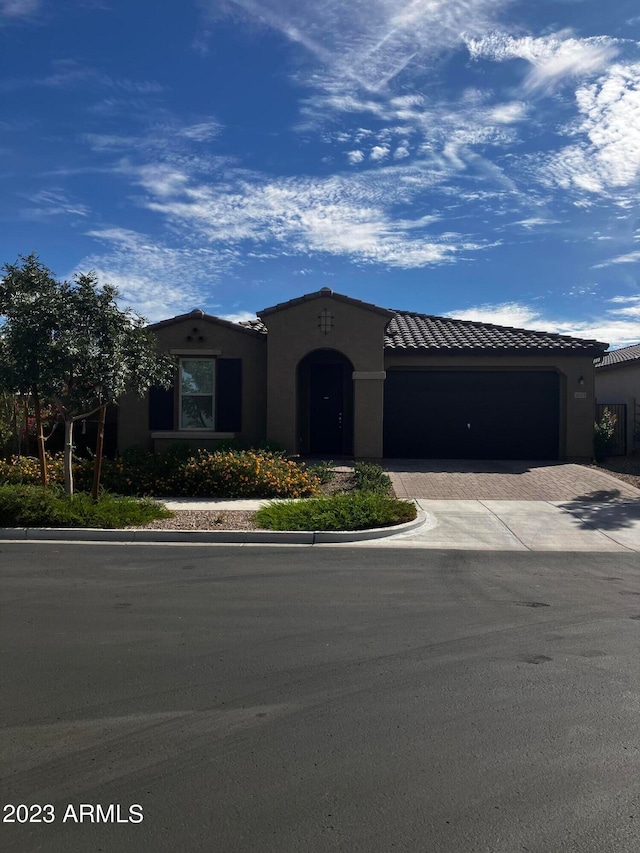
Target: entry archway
{"x": 325, "y": 404}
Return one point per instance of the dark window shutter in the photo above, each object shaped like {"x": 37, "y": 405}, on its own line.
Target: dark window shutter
{"x": 229, "y": 395}
{"x": 160, "y": 408}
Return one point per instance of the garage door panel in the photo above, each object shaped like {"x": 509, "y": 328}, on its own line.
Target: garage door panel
{"x": 472, "y": 414}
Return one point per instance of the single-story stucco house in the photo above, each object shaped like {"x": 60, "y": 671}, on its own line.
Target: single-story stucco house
{"x": 326, "y": 374}
{"x": 618, "y": 384}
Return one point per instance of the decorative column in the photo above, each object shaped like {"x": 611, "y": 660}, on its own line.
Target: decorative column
{"x": 368, "y": 404}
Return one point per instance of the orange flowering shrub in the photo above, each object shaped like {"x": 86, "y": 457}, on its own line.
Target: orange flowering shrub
{"x": 246, "y": 474}
{"x": 180, "y": 472}
{"x": 21, "y": 470}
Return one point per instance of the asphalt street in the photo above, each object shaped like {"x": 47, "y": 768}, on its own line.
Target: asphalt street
{"x": 319, "y": 699}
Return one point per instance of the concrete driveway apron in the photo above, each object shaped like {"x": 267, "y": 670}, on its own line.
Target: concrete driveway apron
{"x": 504, "y": 505}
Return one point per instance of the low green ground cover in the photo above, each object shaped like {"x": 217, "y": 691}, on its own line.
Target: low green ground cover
{"x": 33, "y": 506}
{"x": 371, "y": 478}
{"x": 356, "y": 510}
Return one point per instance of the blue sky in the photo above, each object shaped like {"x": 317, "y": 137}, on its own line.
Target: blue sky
{"x": 472, "y": 158}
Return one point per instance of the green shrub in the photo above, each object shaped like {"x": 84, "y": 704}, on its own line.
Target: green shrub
{"x": 246, "y": 474}
{"x": 323, "y": 471}
{"x": 33, "y": 506}
{"x": 26, "y": 469}
{"x": 371, "y": 478}
{"x": 180, "y": 471}
{"x": 603, "y": 435}
{"x": 351, "y": 511}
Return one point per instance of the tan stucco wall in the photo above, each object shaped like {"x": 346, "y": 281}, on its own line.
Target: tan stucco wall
{"x": 621, "y": 381}
{"x": 576, "y": 412}
{"x": 133, "y": 414}
{"x": 621, "y": 384}
{"x": 270, "y": 387}
{"x": 358, "y": 333}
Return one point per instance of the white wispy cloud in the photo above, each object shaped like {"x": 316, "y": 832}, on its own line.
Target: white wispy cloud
{"x": 68, "y": 73}
{"x": 616, "y": 326}
{"x": 606, "y": 159}
{"x": 536, "y": 222}
{"x": 355, "y": 156}
{"x": 630, "y": 308}
{"x": 13, "y": 9}
{"x": 345, "y": 215}
{"x": 628, "y": 258}
{"x": 508, "y": 113}
{"x": 160, "y": 140}
{"x": 379, "y": 152}
{"x": 52, "y": 202}
{"x": 203, "y": 131}
{"x": 239, "y": 317}
{"x": 555, "y": 59}
{"x": 418, "y": 144}
{"x": 370, "y": 42}
{"x": 156, "y": 279}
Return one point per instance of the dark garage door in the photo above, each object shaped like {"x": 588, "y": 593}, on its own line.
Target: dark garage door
{"x": 438, "y": 414}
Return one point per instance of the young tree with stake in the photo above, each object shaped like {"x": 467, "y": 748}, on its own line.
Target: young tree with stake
{"x": 70, "y": 344}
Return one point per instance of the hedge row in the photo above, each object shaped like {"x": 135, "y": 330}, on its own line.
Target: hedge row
{"x": 32, "y": 506}
{"x": 350, "y": 511}
{"x": 180, "y": 472}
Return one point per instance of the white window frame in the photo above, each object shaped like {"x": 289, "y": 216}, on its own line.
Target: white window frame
{"x": 212, "y": 394}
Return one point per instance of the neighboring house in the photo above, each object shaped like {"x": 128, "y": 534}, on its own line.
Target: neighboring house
{"x": 329, "y": 375}
{"x": 618, "y": 385}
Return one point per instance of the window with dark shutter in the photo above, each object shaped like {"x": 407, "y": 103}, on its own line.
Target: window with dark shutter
{"x": 197, "y": 393}
{"x": 229, "y": 395}
{"x": 160, "y": 408}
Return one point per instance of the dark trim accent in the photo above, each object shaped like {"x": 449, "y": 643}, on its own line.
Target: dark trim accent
{"x": 161, "y": 408}
{"x": 491, "y": 351}
{"x": 229, "y": 395}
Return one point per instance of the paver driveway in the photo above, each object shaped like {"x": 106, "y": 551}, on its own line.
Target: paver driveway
{"x": 464, "y": 479}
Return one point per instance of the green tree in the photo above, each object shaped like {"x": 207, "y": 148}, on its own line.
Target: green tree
{"x": 8, "y": 425}
{"x": 604, "y": 432}
{"x": 71, "y": 345}
{"x": 29, "y": 306}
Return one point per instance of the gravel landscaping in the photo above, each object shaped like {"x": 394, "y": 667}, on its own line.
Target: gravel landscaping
{"x": 625, "y": 468}
{"x": 236, "y": 519}
{"x": 205, "y": 520}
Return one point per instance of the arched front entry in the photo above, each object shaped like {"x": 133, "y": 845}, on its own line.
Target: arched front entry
{"x": 325, "y": 404}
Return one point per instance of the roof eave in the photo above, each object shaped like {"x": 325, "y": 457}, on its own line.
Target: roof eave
{"x": 199, "y": 316}
{"x": 499, "y": 351}
{"x": 325, "y": 293}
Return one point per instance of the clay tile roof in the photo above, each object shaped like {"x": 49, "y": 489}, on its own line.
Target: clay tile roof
{"x": 408, "y": 331}
{"x": 319, "y": 294}
{"x": 199, "y": 314}
{"x": 620, "y": 356}
{"x": 256, "y": 325}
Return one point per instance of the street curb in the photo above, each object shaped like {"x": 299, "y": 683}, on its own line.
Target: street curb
{"x": 231, "y": 537}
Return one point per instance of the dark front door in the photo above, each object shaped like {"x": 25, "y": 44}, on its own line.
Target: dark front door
{"x": 326, "y": 408}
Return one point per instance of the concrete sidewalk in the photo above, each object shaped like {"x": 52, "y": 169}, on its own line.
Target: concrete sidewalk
{"x": 470, "y": 525}
{"x": 481, "y": 525}
{"x": 580, "y": 524}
